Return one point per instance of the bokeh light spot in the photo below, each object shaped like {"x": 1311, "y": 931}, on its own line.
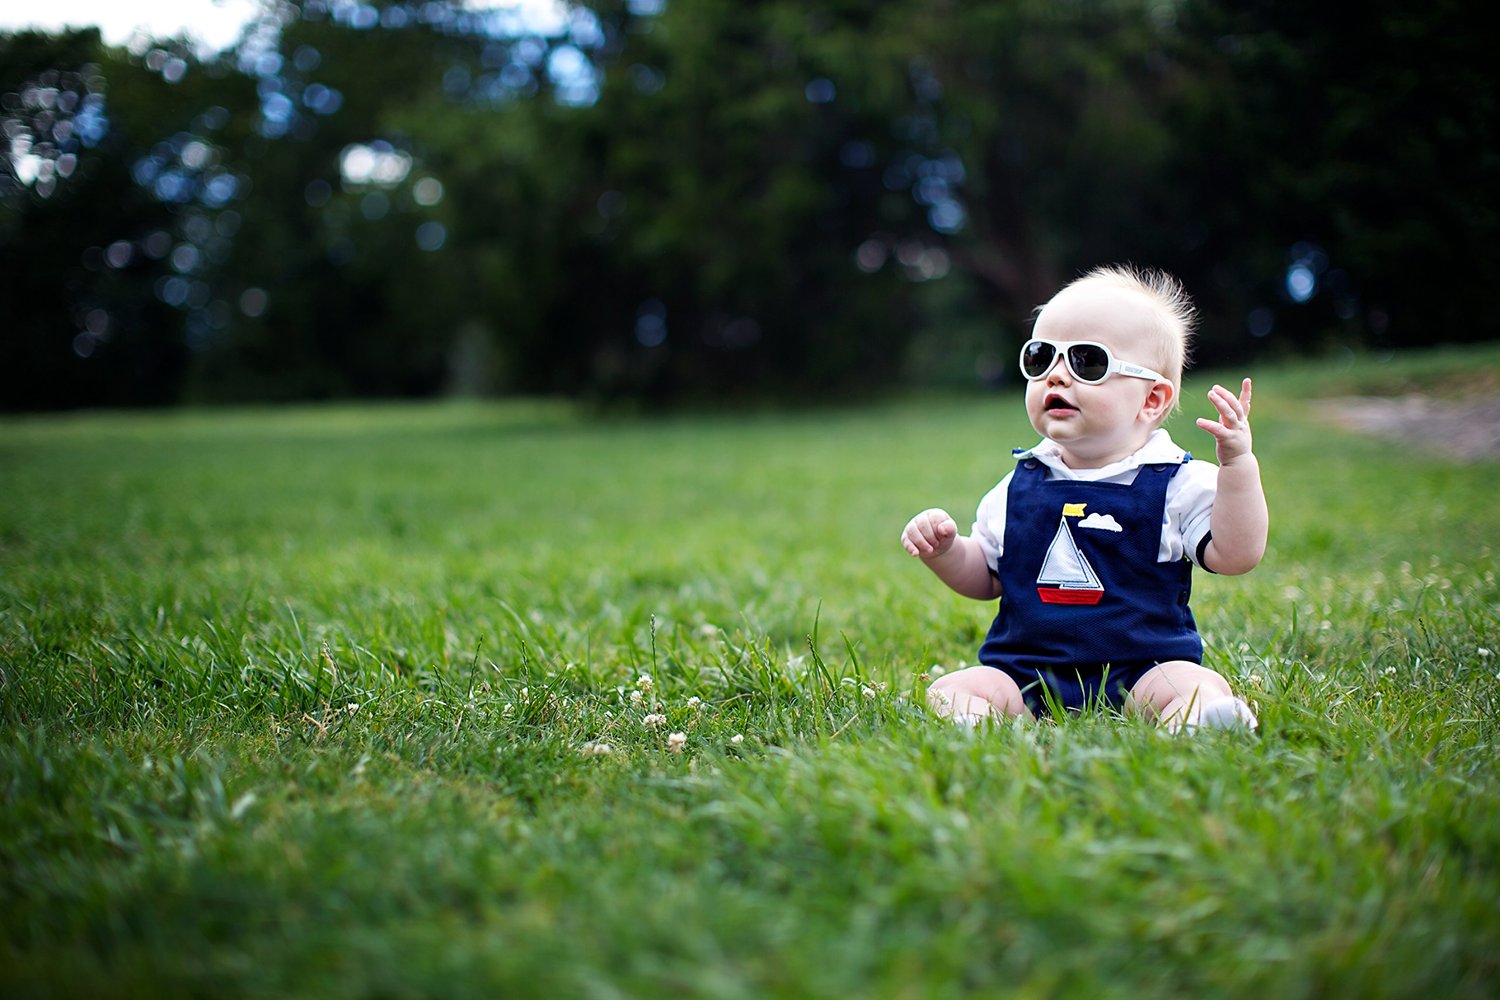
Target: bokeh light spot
{"x": 431, "y": 236}
{"x": 173, "y": 291}
{"x": 647, "y": 80}
{"x": 820, "y": 91}
{"x": 857, "y": 154}
{"x": 306, "y": 58}
{"x": 185, "y": 258}
{"x": 118, "y": 254}
{"x": 374, "y": 164}
{"x": 158, "y": 244}
{"x": 573, "y": 75}
{"x": 611, "y": 204}
{"x": 651, "y": 323}
{"x": 1301, "y": 283}
{"x": 322, "y": 100}
{"x": 870, "y": 256}
{"x": 1260, "y": 322}
{"x": 947, "y": 216}
{"x": 253, "y": 302}
{"x": 427, "y": 192}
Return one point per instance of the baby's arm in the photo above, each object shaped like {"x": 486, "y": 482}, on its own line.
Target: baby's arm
{"x": 932, "y": 536}
{"x": 1239, "y": 522}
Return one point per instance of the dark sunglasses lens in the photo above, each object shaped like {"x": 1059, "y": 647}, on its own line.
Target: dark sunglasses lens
{"x": 1036, "y": 358}
{"x": 1090, "y": 363}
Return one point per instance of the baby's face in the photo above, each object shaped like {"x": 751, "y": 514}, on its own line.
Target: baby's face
{"x": 1095, "y": 425}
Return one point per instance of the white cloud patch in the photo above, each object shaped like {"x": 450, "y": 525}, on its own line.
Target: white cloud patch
{"x": 1104, "y": 522}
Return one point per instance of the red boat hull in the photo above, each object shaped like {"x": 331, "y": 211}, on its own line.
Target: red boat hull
{"x": 1059, "y": 595}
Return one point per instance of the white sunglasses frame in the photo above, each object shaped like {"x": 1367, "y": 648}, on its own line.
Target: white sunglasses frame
{"x": 1060, "y": 349}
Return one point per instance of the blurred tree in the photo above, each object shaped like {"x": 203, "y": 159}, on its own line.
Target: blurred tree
{"x": 1344, "y": 167}
{"x": 1047, "y": 130}
{"x": 691, "y": 230}
{"x": 93, "y": 201}
{"x": 693, "y": 199}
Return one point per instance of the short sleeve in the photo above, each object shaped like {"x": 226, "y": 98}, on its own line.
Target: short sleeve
{"x": 1190, "y": 507}
{"x": 989, "y": 524}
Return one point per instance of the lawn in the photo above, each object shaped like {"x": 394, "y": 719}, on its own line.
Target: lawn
{"x": 508, "y": 699}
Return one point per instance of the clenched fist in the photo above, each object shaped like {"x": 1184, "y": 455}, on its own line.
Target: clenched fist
{"x": 930, "y": 533}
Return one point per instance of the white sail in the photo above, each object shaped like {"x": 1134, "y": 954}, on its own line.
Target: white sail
{"x": 1065, "y": 566}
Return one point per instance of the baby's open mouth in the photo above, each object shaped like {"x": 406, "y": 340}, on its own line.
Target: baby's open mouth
{"x": 1056, "y": 402}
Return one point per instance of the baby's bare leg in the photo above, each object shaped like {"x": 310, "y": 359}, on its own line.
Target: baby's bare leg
{"x": 1174, "y": 693}
{"x": 976, "y": 693}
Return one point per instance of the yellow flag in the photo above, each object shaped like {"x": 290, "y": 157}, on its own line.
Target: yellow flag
{"x": 1073, "y": 509}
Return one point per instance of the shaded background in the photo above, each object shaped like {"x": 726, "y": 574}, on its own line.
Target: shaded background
{"x": 687, "y": 200}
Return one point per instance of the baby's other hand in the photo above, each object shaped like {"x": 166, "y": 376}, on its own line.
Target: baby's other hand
{"x": 929, "y": 534}
{"x": 1232, "y": 430}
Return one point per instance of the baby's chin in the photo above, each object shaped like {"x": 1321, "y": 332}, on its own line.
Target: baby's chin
{"x": 1056, "y": 423}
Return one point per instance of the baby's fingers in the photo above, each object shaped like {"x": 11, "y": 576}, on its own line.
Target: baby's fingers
{"x": 1231, "y": 410}
{"x": 929, "y": 532}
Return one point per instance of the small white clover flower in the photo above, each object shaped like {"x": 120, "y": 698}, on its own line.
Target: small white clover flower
{"x": 637, "y": 699}
{"x": 644, "y": 683}
{"x": 867, "y": 691}
{"x": 654, "y": 720}
{"x": 737, "y": 739}
{"x": 1486, "y": 653}
{"x": 593, "y": 749}
{"x": 676, "y": 741}
{"x": 1257, "y": 680}
{"x": 937, "y": 670}
{"x": 694, "y": 702}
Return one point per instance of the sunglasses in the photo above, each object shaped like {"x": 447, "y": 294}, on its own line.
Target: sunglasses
{"x": 1088, "y": 362}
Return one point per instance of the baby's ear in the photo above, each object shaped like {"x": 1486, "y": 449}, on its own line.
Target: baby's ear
{"x": 1158, "y": 404}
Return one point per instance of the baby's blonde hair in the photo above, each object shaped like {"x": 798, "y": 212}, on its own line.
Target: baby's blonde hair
{"x": 1176, "y": 316}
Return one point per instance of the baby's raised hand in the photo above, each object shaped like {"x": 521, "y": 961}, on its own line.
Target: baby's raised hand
{"x": 1232, "y": 430}
{"x": 930, "y": 533}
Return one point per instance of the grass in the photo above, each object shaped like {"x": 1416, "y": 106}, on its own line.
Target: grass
{"x": 349, "y": 701}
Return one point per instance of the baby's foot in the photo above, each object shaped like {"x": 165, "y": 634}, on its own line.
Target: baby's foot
{"x": 1226, "y": 713}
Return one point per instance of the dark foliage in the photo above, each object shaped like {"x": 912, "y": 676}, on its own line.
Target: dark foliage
{"x": 701, "y": 201}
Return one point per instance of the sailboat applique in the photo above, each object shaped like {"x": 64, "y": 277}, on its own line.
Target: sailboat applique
{"x": 1066, "y": 576}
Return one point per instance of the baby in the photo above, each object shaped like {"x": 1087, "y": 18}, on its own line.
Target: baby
{"x": 1090, "y": 541}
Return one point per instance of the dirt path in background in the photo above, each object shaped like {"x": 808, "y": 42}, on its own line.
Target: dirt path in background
{"x": 1466, "y": 428}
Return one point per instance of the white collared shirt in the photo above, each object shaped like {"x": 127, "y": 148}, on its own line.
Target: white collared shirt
{"x": 1190, "y": 496}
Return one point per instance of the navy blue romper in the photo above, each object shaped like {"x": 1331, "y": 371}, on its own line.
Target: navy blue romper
{"x": 1086, "y": 608}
